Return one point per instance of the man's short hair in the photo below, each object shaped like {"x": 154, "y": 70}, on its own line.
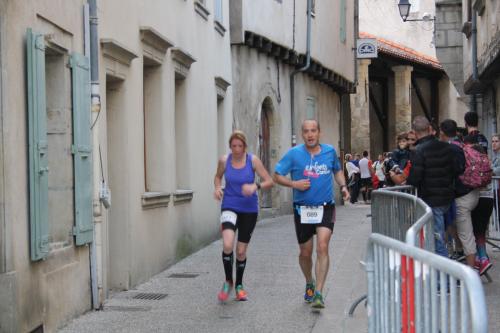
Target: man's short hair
{"x": 317, "y": 124}
{"x": 365, "y": 154}
{"x": 449, "y": 127}
{"x": 420, "y": 124}
{"x": 471, "y": 119}
{"x": 348, "y": 157}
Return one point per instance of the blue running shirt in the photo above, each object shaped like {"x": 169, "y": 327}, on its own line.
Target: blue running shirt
{"x": 318, "y": 168}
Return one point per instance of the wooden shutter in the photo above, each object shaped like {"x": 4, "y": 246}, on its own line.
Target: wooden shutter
{"x": 37, "y": 146}
{"x": 82, "y": 149}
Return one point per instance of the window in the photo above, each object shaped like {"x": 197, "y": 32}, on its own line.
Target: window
{"x": 182, "y": 64}
{"x": 60, "y": 164}
{"x": 311, "y": 107}
{"x": 221, "y": 144}
{"x": 152, "y": 120}
{"x": 181, "y": 132}
{"x": 218, "y": 11}
{"x": 59, "y": 147}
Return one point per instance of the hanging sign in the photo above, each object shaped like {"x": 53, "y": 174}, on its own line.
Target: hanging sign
{"x": 366, "y": 48}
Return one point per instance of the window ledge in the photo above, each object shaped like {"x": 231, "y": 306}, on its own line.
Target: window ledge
{"x": 201, "y": 10}
{"x": 219, "y": 28}
{"x": 182, "y": 196}
{"x": 155, "y": 199}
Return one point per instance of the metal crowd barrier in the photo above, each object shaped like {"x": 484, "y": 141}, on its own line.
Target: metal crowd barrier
{"x": 399, "y": 214}
{"x": 401, "y": 188}
{"x": 403, "y": 216}
{"x": 412, "y": 290}
{"x": 494, "y": 227}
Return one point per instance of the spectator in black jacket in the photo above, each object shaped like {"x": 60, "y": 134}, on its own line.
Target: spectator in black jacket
{"x": 433, "y": 172}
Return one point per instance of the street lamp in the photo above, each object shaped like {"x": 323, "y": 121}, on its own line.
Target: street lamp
{"x": 404, "y": 11}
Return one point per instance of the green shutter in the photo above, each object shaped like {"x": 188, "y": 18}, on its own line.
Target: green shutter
{"x": 342, "y": 21}
{"x": 82, "y": 149}
{"x": 37, "y": 146}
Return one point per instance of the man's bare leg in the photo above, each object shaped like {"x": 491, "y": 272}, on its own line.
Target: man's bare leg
{"x": 323, "y": 259}
{"x": 305, "y": 259}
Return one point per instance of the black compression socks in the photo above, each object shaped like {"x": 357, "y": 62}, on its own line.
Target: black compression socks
{"x": 240, "y": 268}
{"x": 227, "y": 260}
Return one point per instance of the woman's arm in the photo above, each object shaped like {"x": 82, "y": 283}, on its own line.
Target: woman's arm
{"x": 221, "y": 166}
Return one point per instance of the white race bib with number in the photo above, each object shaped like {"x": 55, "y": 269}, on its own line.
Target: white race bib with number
{"x": 311, "y": 214}
{"x": 228, "y": 216}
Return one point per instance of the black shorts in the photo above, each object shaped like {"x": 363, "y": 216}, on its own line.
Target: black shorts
{"x": 305, "y": 232}
{"x": 245, "y": 223}
{"x": 365, "y": 182}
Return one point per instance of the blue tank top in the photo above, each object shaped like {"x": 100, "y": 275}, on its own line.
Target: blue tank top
{"x": 235, "y": 178}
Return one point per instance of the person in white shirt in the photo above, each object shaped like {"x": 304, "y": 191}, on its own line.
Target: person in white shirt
{"x": 378, "y": 167}
{"x": 353, "y": 178}
{"x": 366, "y": 176}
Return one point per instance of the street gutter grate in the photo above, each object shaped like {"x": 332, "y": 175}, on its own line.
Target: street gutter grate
{"x": 150, "y": 296}
{"x": 183, "y": 275}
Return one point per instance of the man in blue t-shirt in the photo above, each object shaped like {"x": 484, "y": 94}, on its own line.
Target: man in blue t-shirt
{"x": 311, "y": 166}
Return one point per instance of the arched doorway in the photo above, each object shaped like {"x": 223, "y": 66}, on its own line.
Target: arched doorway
{"x": 266, "y": 124}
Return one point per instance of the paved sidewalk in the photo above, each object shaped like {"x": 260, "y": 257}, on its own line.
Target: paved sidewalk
{"x": 274, "y": 282}
{"x": 272, "y": 278}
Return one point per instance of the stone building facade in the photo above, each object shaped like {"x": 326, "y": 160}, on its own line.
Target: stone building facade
{"x": 481, "y": 60}
{"x": 405, "y": 80}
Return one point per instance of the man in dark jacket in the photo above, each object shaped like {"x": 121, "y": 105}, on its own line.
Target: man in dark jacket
{"x": 433, "y": 172}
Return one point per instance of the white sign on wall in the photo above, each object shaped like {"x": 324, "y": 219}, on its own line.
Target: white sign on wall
{"x": 366, "y": 48}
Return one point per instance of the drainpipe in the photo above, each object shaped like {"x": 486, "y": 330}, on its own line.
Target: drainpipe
{"x": 475, "y": 77}
{"x": 302, "y": 69}
{"x": 96, "y": 108}
{"x": 356, "y": 36}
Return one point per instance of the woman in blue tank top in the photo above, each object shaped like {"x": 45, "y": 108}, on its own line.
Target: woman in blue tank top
{"x": 239, "y": 208}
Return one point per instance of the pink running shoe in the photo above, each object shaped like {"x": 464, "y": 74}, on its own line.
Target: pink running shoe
{"x": 225, "y": 290}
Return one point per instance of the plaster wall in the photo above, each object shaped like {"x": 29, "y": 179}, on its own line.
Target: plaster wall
{"x": 139, "y": 242}
{"x": 275, "y": 20}
{"x": 52, "y": 291}
{"x": 417, "y": 35}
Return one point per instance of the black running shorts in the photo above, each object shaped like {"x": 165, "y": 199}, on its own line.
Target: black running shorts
{"x": 305, "y": 232}
{"x": 245, "y": 224}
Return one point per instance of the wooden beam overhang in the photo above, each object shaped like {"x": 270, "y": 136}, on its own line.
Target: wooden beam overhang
{"x": 288, "y": 56}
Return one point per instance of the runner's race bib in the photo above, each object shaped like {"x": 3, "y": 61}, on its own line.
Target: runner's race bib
{"x": 228, "y": 216}
{"x": 311, "y": 214}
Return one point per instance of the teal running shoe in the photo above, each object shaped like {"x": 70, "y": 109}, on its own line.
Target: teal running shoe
{"x": 317, "y": 301}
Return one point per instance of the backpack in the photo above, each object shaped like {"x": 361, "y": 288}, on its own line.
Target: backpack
{"x": 478, "y": 170}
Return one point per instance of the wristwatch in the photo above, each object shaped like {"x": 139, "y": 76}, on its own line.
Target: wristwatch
{"x": 258, "y": 185}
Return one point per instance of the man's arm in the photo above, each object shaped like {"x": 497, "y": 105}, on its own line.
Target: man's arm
{"x": 300, "y": 185}
{"x": 340, "y": 179}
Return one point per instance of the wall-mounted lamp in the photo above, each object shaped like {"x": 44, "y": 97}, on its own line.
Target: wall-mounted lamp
{"x": 404, "y": 11}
